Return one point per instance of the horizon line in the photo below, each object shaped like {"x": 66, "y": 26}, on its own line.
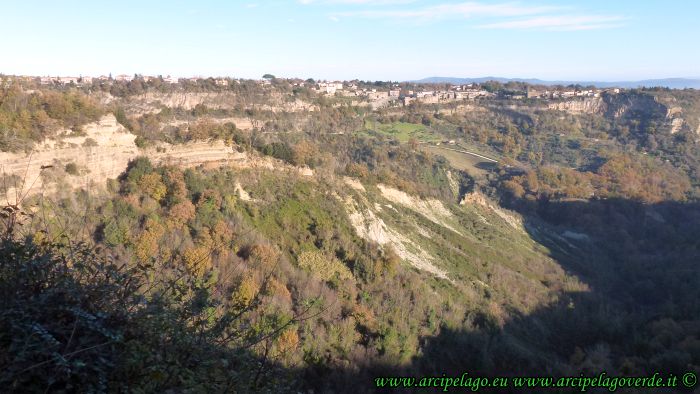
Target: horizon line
{"x": 486, "y": 78}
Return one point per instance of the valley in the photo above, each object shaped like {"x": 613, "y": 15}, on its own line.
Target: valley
{"x": 313, "y": 239}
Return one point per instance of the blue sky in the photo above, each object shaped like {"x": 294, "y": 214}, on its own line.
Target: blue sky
{"x": 347, "y": 39}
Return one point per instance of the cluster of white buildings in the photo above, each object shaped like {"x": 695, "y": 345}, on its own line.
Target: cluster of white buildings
{"x": 329, "y": 87}
{"x": 394, "y": 93}
{"x": 555, "y": 94}
{"x": 434, "y": 97}
{"x": 87, "y": 80}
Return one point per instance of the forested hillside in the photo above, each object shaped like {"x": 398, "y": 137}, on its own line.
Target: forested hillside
{"x": 336, "y": 241}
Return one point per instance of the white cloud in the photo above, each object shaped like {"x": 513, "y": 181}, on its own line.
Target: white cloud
{"x": 559, "y": 22}
{"x": 459, "y": 10}
{"x": 486, "y": 15}
{"x": 357, "y": 2}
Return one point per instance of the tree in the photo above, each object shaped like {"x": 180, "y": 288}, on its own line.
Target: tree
{"x": 182, "y": 212}
{"x": 303, "y": 153}
{"x": 248, "y": 288}
{"x": 74, "y": 320}
{"x": 197, "y": 259}
{"x": 152, "y": 185}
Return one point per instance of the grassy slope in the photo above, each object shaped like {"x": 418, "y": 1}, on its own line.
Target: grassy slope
{"x": 403, "y": 131}
{"x": 489, "y": 256}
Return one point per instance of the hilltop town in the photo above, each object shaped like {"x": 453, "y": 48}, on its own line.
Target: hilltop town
{"x": 388, "y": 94}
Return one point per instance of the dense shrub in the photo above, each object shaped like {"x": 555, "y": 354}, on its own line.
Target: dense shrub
{"x": 74, "y": 320}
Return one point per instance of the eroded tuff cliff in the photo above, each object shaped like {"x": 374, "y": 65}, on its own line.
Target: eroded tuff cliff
{"x": 629, "y": 105}
{"x": 634, "y": 104}
{"x": 103, "y": 152}
{"x": 616, "y": 105}
{"x": 154, "y": 101}
{"x": 594, "y": 105}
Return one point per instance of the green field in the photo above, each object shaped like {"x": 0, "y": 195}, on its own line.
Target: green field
{"x": 403, "y": 131}
{"x": 473, "y": 165}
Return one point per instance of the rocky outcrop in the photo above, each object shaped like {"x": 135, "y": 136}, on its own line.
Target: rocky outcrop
{"x": 102, "y": 153}
{"x": 241, "y": 123}
{"x": 354, "y": 184}
{"x": 617, "y": 106}
{"x": 624, "y": 104}
{"x": 194, "y": 153}
{"x": 676, "y": 125}
{"x": 476, "y": 198}
{"x": 153, "y": 101}
{"x": 594, "y": 105}
{"x": 627, "y": 105}
{"x": 371, "y": 227}
{"x": 432, "y": 209}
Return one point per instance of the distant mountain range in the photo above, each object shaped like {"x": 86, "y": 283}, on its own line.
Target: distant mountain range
{"x": 673, "y": 83}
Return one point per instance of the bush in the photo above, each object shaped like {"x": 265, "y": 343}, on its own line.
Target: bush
{"x": 90, "y": 142}
{"x": 71, "y": 168}
{"x": 74, "y": 320}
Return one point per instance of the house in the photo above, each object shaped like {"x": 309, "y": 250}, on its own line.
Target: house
{"x": 447, "y": 95}
{"x": 68, "y": 80}
{"x": 461, "y": 87}
{"x": 330, "y": 87}
{"x": 406, "y": 100}
{"x": 170, "y": 79}
{"x": 429, "y": 99}
{"x": 221, "y": 82}
{"x": 124, "y": 77}
{"x": 395, "y": 93}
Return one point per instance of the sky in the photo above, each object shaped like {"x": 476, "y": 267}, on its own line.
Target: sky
{"x": 604, "y": 40}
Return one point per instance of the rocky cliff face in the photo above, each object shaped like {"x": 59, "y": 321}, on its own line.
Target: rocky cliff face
{"x": 629, "y": 104}
{"x": 102, "y": 153}
{"x": 594, "y": 105}
{"x": 617, "y": 106}
{"x": 153, "y": 101}
{"x": 626, "y": 105}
